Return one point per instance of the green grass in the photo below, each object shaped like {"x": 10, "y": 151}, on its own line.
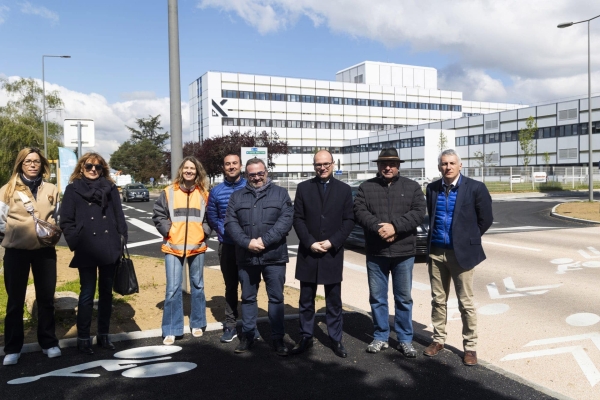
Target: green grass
{"x": 71, "y": 286}
{"x": 3, "y": 301}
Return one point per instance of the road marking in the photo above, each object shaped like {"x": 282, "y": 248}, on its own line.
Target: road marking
{"x": 144, "y": 226}
{"x": 521, "y": 228}
{"x": 510, "y": 245}
{"x": 145, "y": 242}
{"x": 517, "y": 292}
{"x": 591, "y": 250}
{"x": 510, "y": 286}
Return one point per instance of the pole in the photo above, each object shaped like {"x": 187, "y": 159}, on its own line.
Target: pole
{"x": 175, "y": 89}
{"x": 79, "y": 150}
{"x": 44, "y": 111}
{"x": 590, "y": 151}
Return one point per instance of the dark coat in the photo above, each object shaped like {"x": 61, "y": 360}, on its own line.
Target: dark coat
{"x": 401, "y": 204}
{"x": 268, "y": 215}
{"x": 92, "y": 232}
{"x": 472, "y": 218}
{"x": 322, "y": 216}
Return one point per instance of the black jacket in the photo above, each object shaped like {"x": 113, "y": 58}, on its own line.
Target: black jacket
{"x": 92, "y": 232}
{"x": 472, "y": 218}
{"x": 322, "y": 216}
{"x": 402, "y": 204}
{"x": 268, "y": 215}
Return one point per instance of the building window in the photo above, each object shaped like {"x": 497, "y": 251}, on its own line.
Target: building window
{"x": 230, "y": 94}
{"x": 336, "y": 100}
{"x": 308, "y": 99}
{"x": 337, "y": 125}
{"x": 293, "y": 124}
{"x": 362, "y": 102}
{"x": 349, "y": 126}
{"x": 308, "y": 124}
{"x": 230, "y": 121}
{"x": 263, "y": 122}
{"x": 293, "y": 98}
{"x": 456, "y": 108}
{"x": 247, "y": 122}
{"x": 277, "y": 97}
{"x": 322, "y": 100}
{"x": 375, "y": 103}
{"x": 349, "y": 102}
{"x": 263, "y": 96}
{"x": 418, "y": 142}
{"x": 247, "y": 95}
{"x": 387, "y": 103}
{"x": 278, "y": 123}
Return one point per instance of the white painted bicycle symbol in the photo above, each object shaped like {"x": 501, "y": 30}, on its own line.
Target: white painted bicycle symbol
{"x": 128, "y": 361}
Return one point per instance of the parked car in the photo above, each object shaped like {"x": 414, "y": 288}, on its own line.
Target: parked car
{"x": 135, "y": 191}
{"x": 357, "y": 236}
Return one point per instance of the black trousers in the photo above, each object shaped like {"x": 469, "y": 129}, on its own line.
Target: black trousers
{"x": 229, "y": 270}
{"x": 333, "y": 313}
{"x": 87, "y": 279}
{"x": 17, "y": 264}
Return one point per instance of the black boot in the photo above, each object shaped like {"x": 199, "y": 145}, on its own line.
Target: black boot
{"x": 246, "y": 343}
{"x": 85, "y": 346}
{"x": 104, "y": 342}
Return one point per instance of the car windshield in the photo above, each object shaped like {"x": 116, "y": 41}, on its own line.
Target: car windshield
{"x": 137, "y": 187}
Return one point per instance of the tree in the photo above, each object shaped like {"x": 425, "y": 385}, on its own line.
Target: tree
{"x": 142, "y": 155}
{"x": 442, "y": 142}
{"x": 149, "y": 128}
{"x": 139, "y": 159}
{"x": 484, "y": 160}
{"x": 546, "y": 157}
{"x": 212, "y": 150}
{"x": 22, "y": 122}
{"x": 526, "y": 137}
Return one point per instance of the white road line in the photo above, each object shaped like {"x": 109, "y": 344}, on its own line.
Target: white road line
{"x": 144, "y": 226}
{"x": 520, "y": 228}
{"x": 145, "y": 242}
{"x": 510, "y": 245}
{"x": 293, "y": 246}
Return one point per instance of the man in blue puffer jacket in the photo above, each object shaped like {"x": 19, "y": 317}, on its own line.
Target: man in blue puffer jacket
{"x": 215, "y": 214}
{"x": 460, "y": 212}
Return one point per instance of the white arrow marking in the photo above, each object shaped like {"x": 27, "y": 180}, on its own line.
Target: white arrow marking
{"x": 592, "y": 250}
{"x": 495, "y": 294}
{"x": 510, "y": 286}
{"x": 585, "y": 363}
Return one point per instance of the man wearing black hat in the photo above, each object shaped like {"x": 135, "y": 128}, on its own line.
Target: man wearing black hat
{"x": 389, "y": 208}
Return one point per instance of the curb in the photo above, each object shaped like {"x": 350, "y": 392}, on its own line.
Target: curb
{"x": 554, "y": 214}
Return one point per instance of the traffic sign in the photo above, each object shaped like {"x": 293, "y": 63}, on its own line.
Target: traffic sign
{"x": 339, "y": 172}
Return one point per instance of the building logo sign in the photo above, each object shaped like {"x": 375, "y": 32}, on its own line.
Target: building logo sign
{"x": 218, "y": 108}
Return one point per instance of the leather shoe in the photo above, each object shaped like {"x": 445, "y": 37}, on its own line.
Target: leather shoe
{"x": 280, "y": 347}
{"x": 304, "y": 344}
{"x": 433, "y": 349}
{"x": 470, "y": 358}
{"x": 85, "y": 346}
{"x": 246, "y": 343}
{"x": 104, "y": 342}
{"x": 339, "y": 349}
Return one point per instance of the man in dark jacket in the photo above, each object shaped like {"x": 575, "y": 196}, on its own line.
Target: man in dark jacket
{"x": 323, "y": 219}
{"x": 258, "y": 220}
{"x": 460, "y": 211}
{"x": 215, "y": 214}
{"x": 389, "y": 208}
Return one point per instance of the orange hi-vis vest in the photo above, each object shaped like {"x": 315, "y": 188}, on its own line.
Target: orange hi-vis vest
{"x": 186, "y": 212}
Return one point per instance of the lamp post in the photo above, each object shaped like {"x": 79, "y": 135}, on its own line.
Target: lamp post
{"x": 44, "y": 105}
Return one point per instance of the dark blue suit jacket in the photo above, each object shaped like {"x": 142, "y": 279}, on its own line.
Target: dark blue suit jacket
{"x": 472, "y": 218}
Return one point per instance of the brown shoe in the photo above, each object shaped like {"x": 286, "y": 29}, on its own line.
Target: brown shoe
{"x": 470, "y": 358}
{"x": 433, "y": 349}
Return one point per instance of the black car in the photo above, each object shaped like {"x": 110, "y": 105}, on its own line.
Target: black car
{"x": 357, "y": 236}
{"x": 135, "y": 191}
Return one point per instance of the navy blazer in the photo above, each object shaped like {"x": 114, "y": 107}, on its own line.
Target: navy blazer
{"x": 322, "y": 216}
{"x": 472, "y": 218}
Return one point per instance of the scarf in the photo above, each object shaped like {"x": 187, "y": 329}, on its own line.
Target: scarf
{"x": 260, "y": 189}
{"x": 95, "y": 191}
{"x": 33, "y": 184}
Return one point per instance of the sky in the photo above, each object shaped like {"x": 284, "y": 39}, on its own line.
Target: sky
{"x": 500, "y": 51}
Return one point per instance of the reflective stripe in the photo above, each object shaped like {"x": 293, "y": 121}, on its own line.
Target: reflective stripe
{"x": 189, "y": 219}
{"x": 192, "y": 212}
{"x": 188, "y": 247}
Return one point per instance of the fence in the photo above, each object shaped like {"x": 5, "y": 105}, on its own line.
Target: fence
{"x": 497, "y": 179}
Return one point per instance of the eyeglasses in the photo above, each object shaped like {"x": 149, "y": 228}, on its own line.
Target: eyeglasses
{"x": 29, "y": 162}
{"x": 89, "y": 167}
{"x": 325, "y": 165}
{"x": 255, "y": 174}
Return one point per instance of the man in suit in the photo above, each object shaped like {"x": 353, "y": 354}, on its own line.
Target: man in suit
{"x": 323, "y": 219}
{"x": 460, "y": 211}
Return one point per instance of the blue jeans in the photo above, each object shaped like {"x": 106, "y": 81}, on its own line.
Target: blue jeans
{"x": 172, "y": 322}
{"x": 87, "y": 278}
{"x": 274, "y": 276}
{"x": 378, "y": 271}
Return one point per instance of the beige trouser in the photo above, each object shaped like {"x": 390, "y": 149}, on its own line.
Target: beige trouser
{"x": 442, "y": 268}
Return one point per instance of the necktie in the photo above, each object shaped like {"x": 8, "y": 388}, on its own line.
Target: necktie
{"x": 324, "y": 186}
{"x": 448, "y": 189}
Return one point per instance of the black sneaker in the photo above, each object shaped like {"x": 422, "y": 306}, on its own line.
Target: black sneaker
{"x": 245, "y": 344}
{"x": 280, "y": 347}
{"x": 228, "y": 335}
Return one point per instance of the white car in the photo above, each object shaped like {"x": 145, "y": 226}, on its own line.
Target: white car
{"x": 422, "y": 181}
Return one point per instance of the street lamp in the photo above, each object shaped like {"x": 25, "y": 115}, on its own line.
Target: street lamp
{"x": 44, "y": 106}
{"x": 590, "y": 152}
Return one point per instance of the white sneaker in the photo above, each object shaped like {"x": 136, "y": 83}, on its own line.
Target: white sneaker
{"x": 52, "y": 352}
{"x": 169, "y": 340}
{"x": 11, "y": 359}
{"x": 197, "y": 332}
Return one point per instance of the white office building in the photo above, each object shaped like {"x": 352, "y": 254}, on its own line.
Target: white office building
{"x": 364, "y": 100}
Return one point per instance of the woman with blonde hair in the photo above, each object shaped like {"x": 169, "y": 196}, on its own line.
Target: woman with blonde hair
{"x": 94, "y": 226}
{"x": 24, "y": 251}
{"x": 179, "y": 216}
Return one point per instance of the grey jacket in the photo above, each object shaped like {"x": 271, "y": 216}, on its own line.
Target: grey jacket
{"x": 402, "y": 204}
{"x": 267, "y": 214}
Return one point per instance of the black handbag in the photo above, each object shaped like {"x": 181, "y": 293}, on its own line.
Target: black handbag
{"x": 125, "y": 281}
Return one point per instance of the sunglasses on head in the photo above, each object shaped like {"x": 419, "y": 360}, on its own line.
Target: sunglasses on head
{"x": 89, "y": 167}
{"x": 255, "y": 174}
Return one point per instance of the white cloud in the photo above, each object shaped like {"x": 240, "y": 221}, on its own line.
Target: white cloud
{"x": 3, "y": 13}
{"x": 110, "y": 118}
{"x": 28, "y": 8}
{"x": 518, "y": 39}
{"x": 140, "y": 95}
